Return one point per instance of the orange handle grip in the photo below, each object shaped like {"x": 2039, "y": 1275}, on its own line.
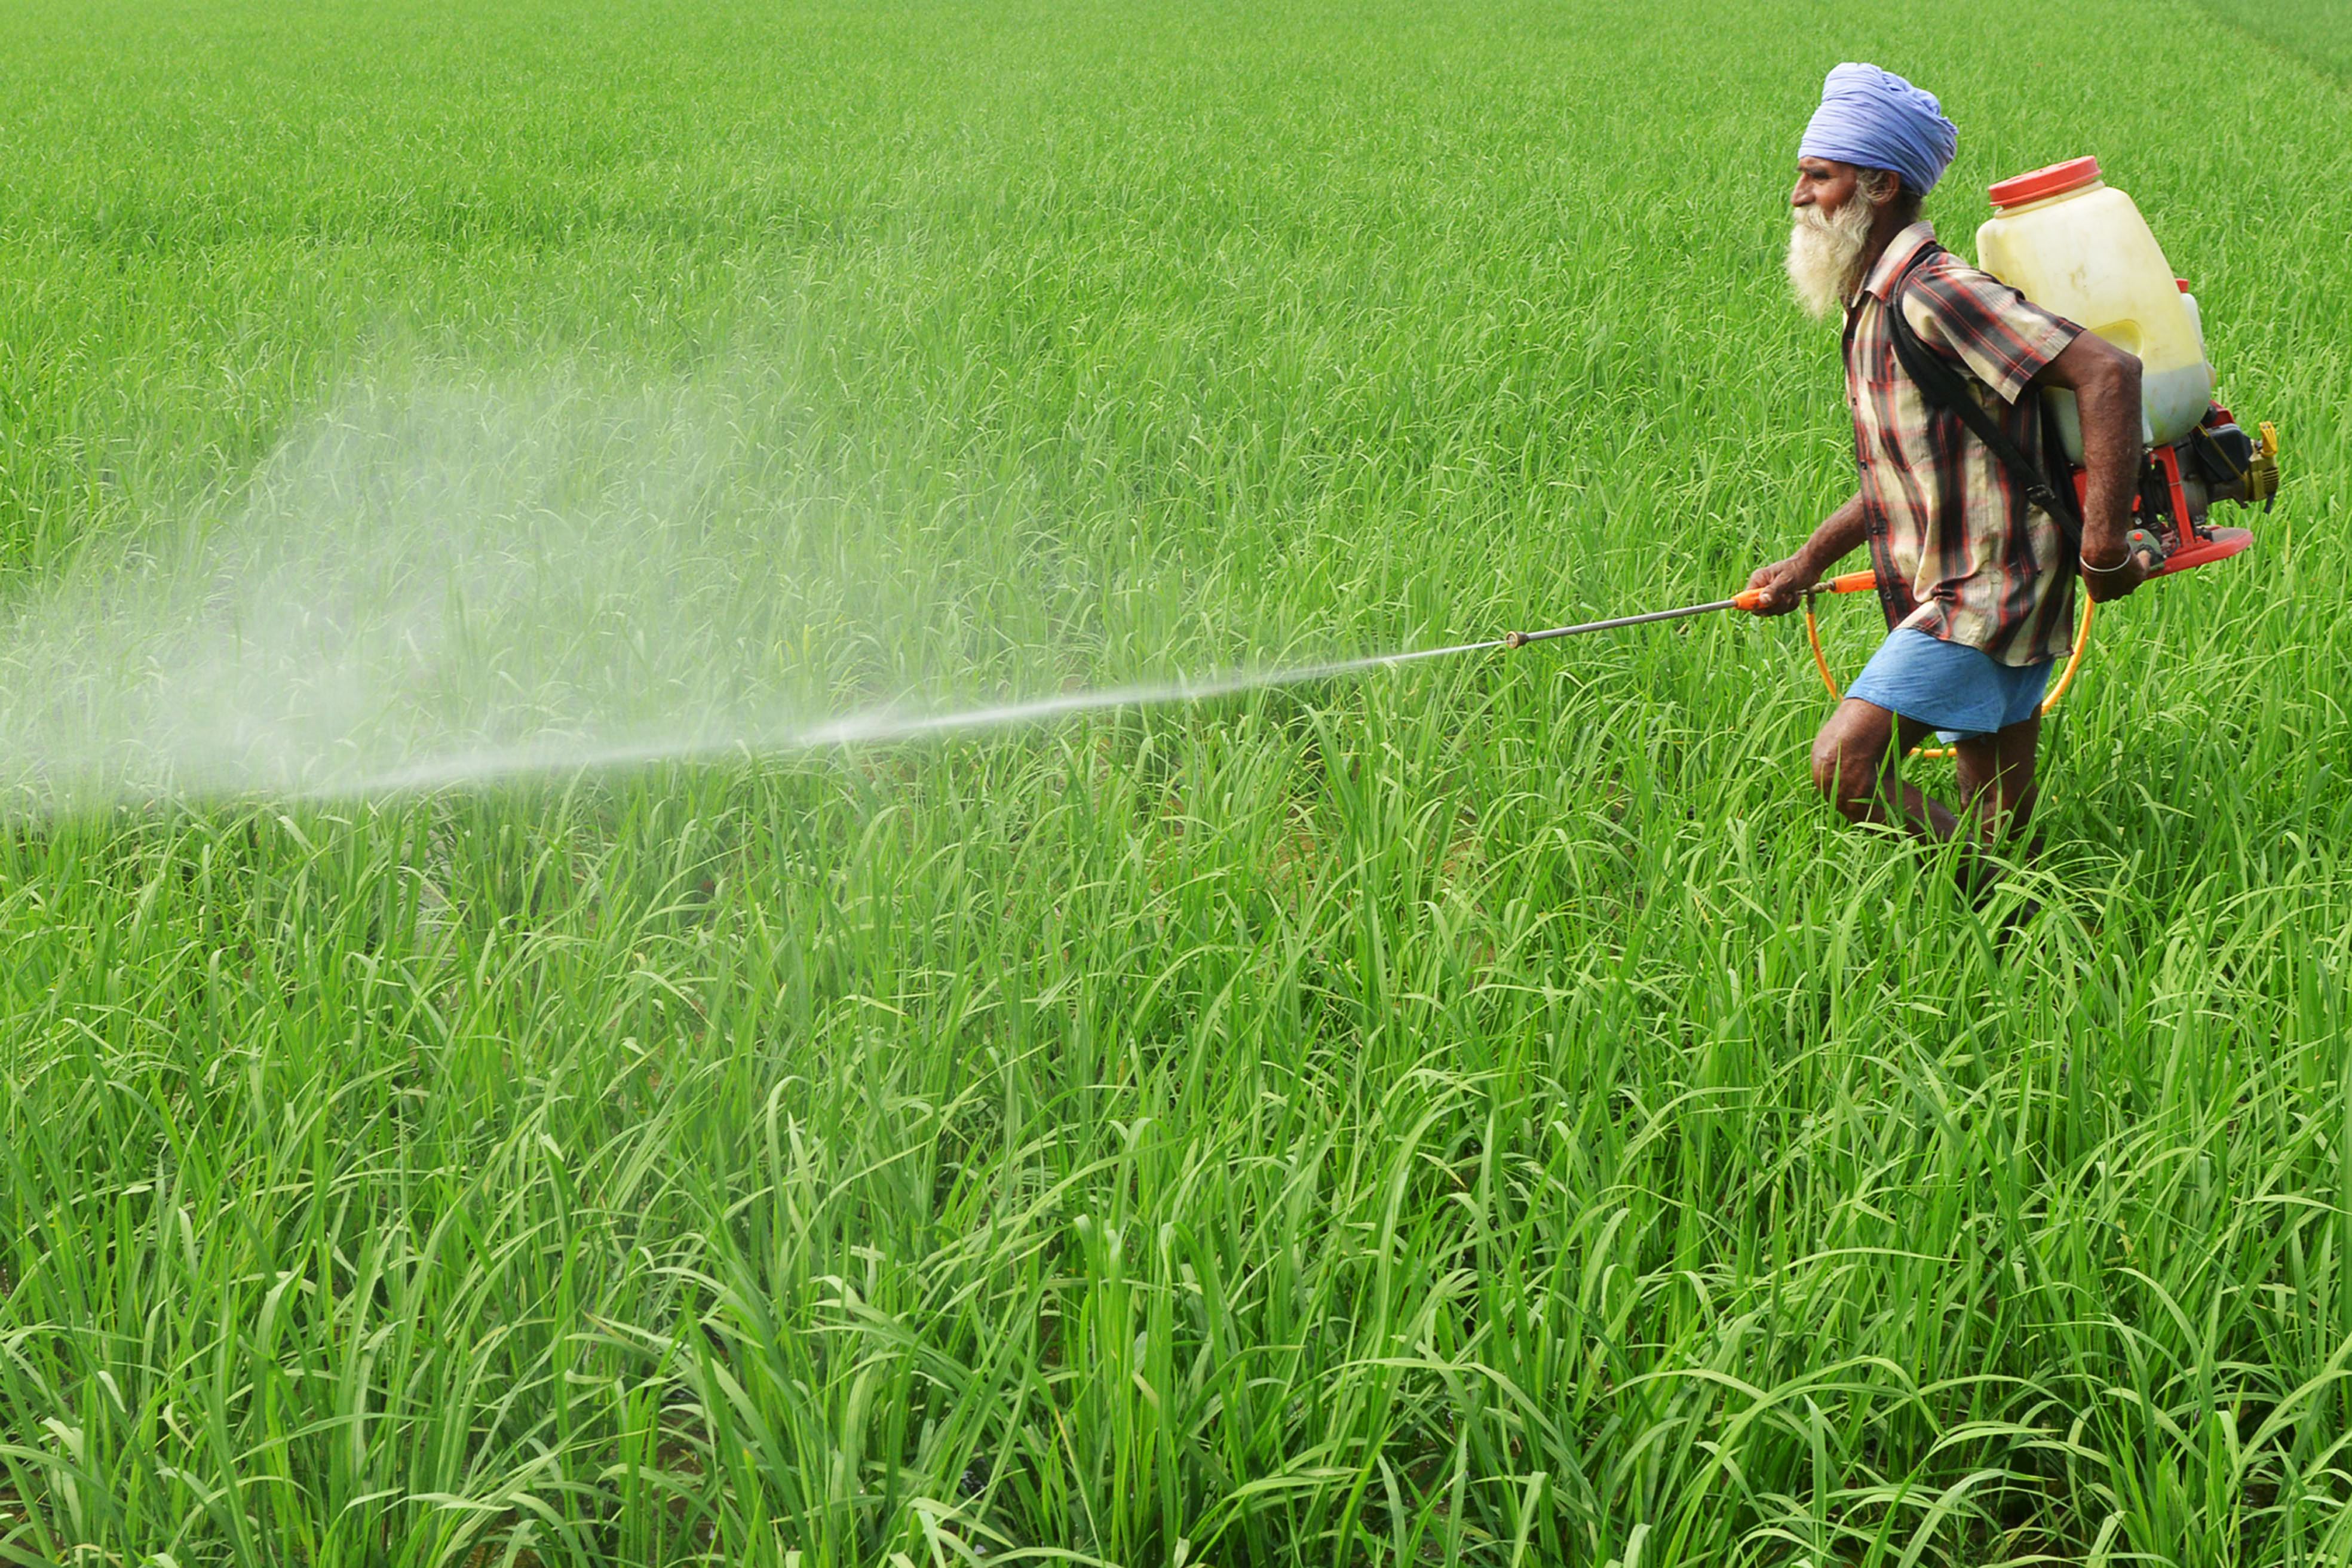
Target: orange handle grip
{"x": 1752, "y": 599}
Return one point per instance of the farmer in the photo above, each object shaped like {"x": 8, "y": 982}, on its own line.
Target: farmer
{"x": 1977, "y": 583}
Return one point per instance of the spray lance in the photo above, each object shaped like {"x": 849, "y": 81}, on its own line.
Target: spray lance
{"x": 1748, "y": 598}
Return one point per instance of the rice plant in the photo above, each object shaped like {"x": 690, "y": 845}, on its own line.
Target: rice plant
{"x": 1485, "y": 1112}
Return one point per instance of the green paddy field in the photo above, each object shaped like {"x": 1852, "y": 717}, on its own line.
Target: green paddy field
{"x": 1485, "y": 1112}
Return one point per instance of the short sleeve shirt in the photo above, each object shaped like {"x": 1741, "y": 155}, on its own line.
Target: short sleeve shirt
{"x": 1960, "y": 552}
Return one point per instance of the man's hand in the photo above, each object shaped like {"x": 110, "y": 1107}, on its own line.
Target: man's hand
{"x": 1782, "y": 584}
{"x": 2108, "y": 580}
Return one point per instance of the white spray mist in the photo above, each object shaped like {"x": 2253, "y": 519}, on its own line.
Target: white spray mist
{"x": 458, "y": 584}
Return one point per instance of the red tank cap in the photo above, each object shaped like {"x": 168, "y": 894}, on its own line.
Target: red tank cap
{"x": 2056, "y": 179}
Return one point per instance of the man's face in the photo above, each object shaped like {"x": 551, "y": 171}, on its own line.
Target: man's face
{"x": 1823, "y": 185}
{"x": 1829, "y": 232}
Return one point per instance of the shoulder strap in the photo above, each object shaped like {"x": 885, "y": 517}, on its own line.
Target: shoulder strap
{"x": 1941, "y": 385}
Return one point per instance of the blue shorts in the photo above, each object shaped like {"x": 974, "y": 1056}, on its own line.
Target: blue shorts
{"x": 1962, "y": 691}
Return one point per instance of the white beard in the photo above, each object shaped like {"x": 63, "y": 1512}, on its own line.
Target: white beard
{"x": 1825, "y": 255}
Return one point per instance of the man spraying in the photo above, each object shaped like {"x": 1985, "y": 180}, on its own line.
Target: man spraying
{"x": 1977, "y": 578}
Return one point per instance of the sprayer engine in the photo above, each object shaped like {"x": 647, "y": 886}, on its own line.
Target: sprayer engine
{"x": 2180, "y": 483}
{"x": 2220, "y": 461}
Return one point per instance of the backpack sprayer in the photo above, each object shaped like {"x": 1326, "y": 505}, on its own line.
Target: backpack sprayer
{"x": 2079, "y": 248}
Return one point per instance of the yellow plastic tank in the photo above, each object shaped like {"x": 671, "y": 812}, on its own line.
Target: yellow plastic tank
{"x": 2074, "y": 244}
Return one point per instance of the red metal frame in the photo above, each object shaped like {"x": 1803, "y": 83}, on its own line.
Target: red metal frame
{"x": 2168, "y": 458}
{"x": 2214, "y": 544}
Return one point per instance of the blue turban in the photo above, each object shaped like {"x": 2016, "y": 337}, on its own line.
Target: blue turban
{"x": 1876, "y": 118}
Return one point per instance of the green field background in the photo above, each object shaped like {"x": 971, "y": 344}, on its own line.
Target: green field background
{"x": 1484, "y": 1112}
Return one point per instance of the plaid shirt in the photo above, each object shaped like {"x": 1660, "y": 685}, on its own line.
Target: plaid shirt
{"x": 1960, "y": 552}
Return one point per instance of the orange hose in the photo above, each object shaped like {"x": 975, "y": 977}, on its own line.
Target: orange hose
{"x": 2075, "y": 659}
{"x": 1821, "y": 660}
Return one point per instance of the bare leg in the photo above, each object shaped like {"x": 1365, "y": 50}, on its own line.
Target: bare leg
{"x": 1855, "y": 767}
{"x": 1996, "y": 778}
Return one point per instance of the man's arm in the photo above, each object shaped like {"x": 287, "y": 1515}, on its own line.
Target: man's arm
{"x": 1783, "y": 583}
{"x": 2106, "y": 383}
